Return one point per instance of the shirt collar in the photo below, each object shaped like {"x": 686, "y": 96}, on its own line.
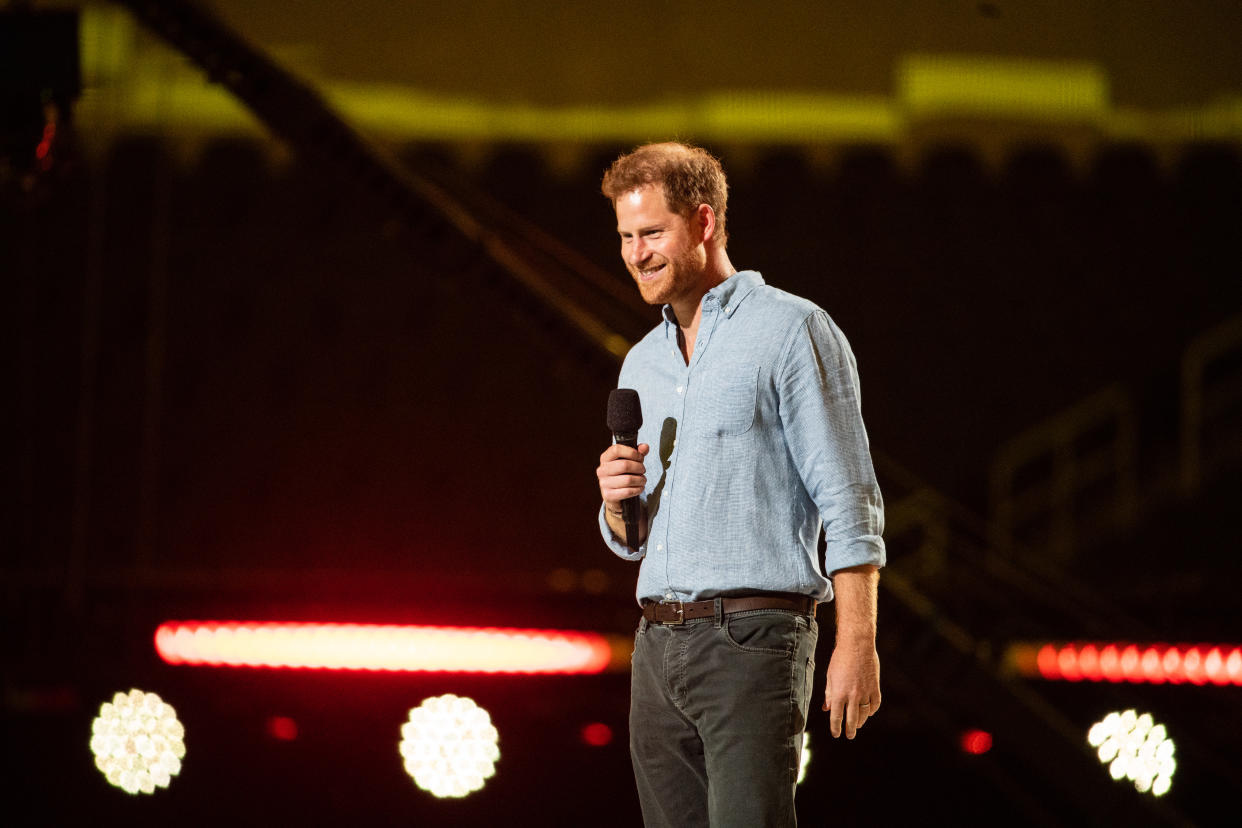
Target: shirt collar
{"x": 727, "y": 295}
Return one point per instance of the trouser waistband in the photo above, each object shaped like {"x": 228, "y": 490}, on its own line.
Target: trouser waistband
{"x": 679, "y": 612}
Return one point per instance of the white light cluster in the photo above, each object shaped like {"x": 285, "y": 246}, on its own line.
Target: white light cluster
{"x": 1136, "y": 748}
{"x": 806, "y": 756}
{"x": 449, "y": 746}
{"x": 137, "y": 742}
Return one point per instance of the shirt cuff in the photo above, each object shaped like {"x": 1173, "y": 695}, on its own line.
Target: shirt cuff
{"x": 618, "y": 548}
{"x": 867, "y": 549}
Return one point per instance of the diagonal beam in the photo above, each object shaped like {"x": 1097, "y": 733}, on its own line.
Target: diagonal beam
{"x": 301, "y": 117}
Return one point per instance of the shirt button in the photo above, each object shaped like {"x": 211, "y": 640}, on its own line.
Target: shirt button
{"x": 681, "y": 388}
{"x": 668, "y": 595}
{"x": 659, "y": 547}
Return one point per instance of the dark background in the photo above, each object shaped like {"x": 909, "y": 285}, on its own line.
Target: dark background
{"x": 252, "y": 384}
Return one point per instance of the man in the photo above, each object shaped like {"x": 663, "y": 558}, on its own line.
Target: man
{"x": 752, "y": 439}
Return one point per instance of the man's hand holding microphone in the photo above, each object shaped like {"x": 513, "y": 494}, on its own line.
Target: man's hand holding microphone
{"x": 622, "y": 475}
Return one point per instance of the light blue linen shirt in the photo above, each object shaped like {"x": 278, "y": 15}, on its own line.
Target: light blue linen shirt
{"x": 754, "y": 444}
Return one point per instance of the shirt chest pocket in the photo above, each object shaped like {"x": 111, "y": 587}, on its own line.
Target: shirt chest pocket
{"x": 725, "y": 400}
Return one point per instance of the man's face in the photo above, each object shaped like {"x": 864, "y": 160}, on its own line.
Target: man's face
{"x": 663, "y": 251}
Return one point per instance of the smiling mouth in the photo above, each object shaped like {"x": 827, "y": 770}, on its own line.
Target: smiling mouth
{"x": 650, "y": 273}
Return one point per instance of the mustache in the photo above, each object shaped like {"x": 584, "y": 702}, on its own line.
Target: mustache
{"x": 650, "y": 264}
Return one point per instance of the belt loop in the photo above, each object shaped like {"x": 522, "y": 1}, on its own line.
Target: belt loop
{"x": 718, "y": 606}
{"x": 642, "y": 624}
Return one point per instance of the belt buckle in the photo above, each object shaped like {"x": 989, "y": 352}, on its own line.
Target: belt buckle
{"x": 681, "y": 614}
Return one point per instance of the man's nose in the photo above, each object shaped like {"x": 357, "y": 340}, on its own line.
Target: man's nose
{"x": 638, "y": 251}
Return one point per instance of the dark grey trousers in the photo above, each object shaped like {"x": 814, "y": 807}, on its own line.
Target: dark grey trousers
{"x": 717, "y": 710}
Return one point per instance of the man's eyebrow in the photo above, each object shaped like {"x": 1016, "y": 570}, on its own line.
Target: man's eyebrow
{"x": 650, "y": 228}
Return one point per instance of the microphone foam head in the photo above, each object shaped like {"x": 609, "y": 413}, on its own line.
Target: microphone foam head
{"x": 625, "y": 414}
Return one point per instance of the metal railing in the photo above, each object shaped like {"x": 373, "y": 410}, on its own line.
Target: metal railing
{"x": 1047, "y": 480}
{"x": 1211, "y": 396}
{"x": 1062, "y": 483}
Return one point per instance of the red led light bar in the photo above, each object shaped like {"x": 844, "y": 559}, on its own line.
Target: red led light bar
{"x": 380, "y": 647}
{"x": 1200, "y": 664}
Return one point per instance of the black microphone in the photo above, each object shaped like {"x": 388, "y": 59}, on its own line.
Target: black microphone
{"x": 625, "y": 416}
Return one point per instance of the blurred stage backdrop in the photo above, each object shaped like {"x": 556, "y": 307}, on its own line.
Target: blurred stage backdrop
{"x": 312, "y": 309}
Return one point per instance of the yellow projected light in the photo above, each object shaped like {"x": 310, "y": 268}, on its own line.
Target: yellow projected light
{"x": 1136, "y": 748}
{"x": 137, "y": 742}
{"x": 449, "y": 746}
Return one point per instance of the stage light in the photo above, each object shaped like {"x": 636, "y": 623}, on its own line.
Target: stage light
{"x": 1046, "y": 661}
{"x": 1089, "y": 663}
{"x": 1110, "y": 664}
{"x": 1136, "y": 748}
{"x": 381, "y": 647}
{"x": 138, "y": 742}
{"x": 1233, "y": 666}
{"x": 806, "y": 756}
{"x": 1132, "y": 664}
{"x": 282, "y": 728}
{"x": 1193, "y": 666}
{"x": 1067, "y": 664}
{"x": 1152, "y": 666}
{"x": 1214, "y": 665}
{"x": 1171, "y": 665}
{"x": 449, "y": 746}
{"x": 596, "y": 734}
{"x": 976, "y": 742}
{"x": 1115, "y": 662}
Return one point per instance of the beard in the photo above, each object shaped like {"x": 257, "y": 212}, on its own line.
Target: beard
{"x": 682, "y": 276}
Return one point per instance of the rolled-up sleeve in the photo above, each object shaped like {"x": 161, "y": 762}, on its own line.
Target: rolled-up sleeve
{"x": 620, "y": 549}
{"x": 821, "y": 412}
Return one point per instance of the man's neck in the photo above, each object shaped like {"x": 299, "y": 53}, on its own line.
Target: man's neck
{"x": 689, "y": 312}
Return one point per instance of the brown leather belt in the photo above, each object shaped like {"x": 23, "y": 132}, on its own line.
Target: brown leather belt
{"x": 679, "y": 613}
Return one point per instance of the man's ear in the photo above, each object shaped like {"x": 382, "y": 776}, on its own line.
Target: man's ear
{"x": 705, "y": 217}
